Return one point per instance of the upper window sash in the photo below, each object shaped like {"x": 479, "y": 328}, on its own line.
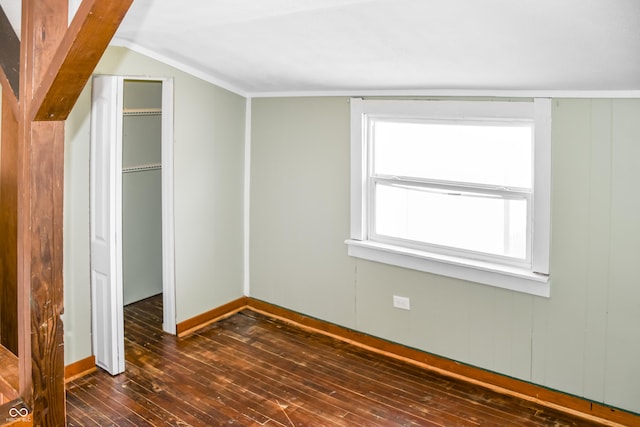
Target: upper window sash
{"x": 426, "y": 148}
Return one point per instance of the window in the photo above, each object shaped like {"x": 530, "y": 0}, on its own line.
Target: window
{"x": 457, "y": 188}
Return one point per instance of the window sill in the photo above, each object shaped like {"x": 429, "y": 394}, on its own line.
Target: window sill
{"x": 501, "y": 276}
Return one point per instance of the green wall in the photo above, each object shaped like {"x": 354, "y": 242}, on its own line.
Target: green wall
{"x": 584, "y": 340}
{"x": 299, "y": 193}
{"x": 209, "y": 127}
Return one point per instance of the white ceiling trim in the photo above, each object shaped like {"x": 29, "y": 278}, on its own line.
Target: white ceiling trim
{"x": 497, "y": 93}
{"x": 208, "y": 77}
{"x": 471, "y": 93}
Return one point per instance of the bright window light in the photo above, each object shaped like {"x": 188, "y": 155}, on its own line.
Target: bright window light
{"x": 452, "y": 185}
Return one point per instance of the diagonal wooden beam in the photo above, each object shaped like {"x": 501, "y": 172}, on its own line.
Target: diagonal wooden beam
{"x": 9, "y": 58}
{"x": 9, "y": 98}
{"x": 85, "y": 41}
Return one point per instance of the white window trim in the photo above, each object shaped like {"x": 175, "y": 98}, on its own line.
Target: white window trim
{"x": 533, "y": 281}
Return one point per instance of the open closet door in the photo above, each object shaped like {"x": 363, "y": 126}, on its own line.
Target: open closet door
{"x": 106, "y": 220}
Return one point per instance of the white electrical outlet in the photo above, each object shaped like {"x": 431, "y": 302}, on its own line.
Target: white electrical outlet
{"x": 401, "y": 302}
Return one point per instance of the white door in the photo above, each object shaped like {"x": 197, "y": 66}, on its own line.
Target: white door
{"x": 106, "y": 223}
{"x": 107, "y": 312}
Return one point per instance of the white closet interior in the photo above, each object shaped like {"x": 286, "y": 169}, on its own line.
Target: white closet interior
{"x": 142, "y": 189}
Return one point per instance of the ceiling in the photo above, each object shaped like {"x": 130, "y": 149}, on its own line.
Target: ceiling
{"x": 258, "y": 47}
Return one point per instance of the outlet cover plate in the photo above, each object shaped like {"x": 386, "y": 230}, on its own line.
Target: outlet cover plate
{"x": 401, "y": 302}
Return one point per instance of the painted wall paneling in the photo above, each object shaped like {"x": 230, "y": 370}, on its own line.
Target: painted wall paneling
{"x": 583, "y": 340}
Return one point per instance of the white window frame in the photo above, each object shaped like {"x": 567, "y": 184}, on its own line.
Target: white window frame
{"x": 532, "y": 279}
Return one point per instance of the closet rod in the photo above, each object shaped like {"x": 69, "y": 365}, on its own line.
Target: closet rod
{"x": 142, "y": 111}
{"x": 140, "y": 168}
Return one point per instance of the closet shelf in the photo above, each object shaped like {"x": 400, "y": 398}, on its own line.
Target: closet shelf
{"x": 140, "y": 168}
{"x": 142, "y": 111}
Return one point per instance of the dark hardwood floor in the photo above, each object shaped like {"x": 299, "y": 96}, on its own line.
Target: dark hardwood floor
{"x": 250, "y": 370}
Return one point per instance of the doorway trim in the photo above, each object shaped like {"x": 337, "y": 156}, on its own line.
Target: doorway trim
{"x": 168, "y": 214}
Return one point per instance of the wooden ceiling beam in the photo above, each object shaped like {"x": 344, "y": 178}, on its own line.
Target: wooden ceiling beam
{"x": 89, "y": 34}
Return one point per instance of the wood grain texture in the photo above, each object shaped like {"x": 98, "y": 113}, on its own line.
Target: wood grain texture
{"x": 8, "y": 375}
{"x": 494, "y": 381}
{"x": 78, "y": 54}
{"x": 9, "y": 226}
{"x": 252, "y": 369}
{"x": 46, "y": 304}
{"x": 210, "y": 316}
{"x": 9, "y": 53}
{"x": 40, "y": 162}
{"x": 497, "y": 382}
{"x": 80, "y": 368}
{"x": 55, "y": 63}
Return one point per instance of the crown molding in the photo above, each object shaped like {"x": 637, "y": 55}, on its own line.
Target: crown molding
{"x": 396, "y": 93}
{"x": 208, "y": 77}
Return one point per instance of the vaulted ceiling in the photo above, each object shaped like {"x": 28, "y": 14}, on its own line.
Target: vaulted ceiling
{"x": 286, "y": 46}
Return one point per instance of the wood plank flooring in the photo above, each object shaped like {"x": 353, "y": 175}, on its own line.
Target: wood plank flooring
{"x": 251, "y": 370}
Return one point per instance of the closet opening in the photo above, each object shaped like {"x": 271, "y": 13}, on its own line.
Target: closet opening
{"x": 132, "y": 241}
{"x": 141, "y": 190}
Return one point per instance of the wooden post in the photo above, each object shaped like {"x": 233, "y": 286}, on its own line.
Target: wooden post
{"x": 9, "y": 224}
{"x": 55, "y": 63}
{"x": 41, "y": 165}
{"x": 9, "y": 78}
